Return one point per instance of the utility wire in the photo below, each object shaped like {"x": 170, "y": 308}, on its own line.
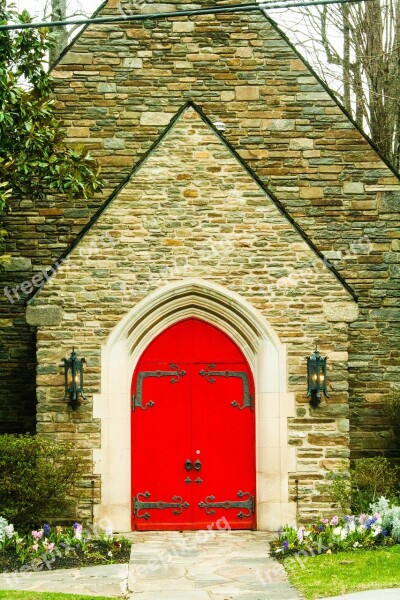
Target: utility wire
{"x": 268, "y": 4}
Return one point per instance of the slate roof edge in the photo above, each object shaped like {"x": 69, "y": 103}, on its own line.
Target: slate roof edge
{"x": 77, "y": 36}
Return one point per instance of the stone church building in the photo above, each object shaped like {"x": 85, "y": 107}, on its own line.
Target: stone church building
{"x": 245, "y": 219}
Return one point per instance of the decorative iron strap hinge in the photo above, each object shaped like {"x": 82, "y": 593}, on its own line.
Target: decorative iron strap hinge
{"x": 210, "y": 375}
{"x": 248, "y": 505}
{"x": 177, "y": 505}
{"x": 137, "y": 399}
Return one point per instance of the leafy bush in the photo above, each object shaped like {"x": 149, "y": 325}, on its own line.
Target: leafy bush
{"x": 34, "y": 155}
{"x": 371, "y": 479}
{"x": 337, "y": 535}
{"x": 36, "y": 476}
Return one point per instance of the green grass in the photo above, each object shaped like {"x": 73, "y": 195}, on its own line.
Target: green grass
{"x": 5, "y": 595}
{"x": 335, "y": 574}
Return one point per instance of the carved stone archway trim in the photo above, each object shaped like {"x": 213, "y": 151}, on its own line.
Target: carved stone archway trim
{"x": 235, "y": 316}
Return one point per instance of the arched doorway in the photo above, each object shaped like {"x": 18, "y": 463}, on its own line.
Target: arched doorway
{"x": 193, "y": 431}
{"x": 264, "y": 352}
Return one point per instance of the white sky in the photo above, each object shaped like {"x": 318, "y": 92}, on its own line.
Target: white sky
{"x": 40, "y": 7}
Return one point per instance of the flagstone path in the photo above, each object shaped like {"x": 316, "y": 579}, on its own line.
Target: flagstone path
{"x": 203, "y": 565}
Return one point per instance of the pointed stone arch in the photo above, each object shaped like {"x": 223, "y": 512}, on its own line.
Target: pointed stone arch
{"x": 266, "y": 354}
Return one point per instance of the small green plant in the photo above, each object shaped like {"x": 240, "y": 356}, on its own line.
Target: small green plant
{"x": 36, "y": 477}
{"x": 338, "y": 488}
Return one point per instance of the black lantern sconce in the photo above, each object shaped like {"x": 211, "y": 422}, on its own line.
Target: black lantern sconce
{"x": 73, "y": 372}
{"x": 316, "y": 378}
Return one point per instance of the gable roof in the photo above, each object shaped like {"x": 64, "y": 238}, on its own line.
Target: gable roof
{"x": 237, "y": 157}
{"x": 281, "y": 33}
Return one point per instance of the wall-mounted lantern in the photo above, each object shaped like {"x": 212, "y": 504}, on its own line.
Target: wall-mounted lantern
{"x": 73, "y": 372}
{"x": 316, "y": 378}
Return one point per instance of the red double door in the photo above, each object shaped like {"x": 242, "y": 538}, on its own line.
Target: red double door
{"x": 193, "y": 432}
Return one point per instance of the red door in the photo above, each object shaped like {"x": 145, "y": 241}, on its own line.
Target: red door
{"x": 193, "y": 432}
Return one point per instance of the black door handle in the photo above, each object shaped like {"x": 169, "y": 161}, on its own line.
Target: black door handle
{"x": 197, "y": 465}
{"x": 188, "y": 465}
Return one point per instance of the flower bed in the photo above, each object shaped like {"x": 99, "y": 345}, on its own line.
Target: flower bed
{"x": 58, "y": 547}
{"x": 380, "y": 528}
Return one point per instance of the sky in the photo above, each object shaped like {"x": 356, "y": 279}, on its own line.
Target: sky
{"x": 41, "y": 7}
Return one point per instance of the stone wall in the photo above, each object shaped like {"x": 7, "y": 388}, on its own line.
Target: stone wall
{"x": 191, "y": 210}
{"x": 38, "y": 233}
{"x": 17, "y": 354}
{"x": 120, "y": 85}
{"x": 117, "y": 89}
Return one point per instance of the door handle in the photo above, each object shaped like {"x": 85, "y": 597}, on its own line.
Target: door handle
{"x": 188, "y": 465}
{"x": 197, "y": 465}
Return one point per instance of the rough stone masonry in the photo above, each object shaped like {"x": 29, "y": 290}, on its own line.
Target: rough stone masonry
{"x": 117, "y": 89}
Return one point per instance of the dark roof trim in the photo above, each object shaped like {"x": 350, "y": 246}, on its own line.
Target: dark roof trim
{"x": 77, "y": 36}
{"x": 344, "y": 110}
{"x": 277, "y": 202}
{"x": 54, "y": 268}
{"x": 235, "y": 154}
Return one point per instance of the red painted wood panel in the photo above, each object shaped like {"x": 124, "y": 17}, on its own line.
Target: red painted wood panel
{"x": 193, "y": 418}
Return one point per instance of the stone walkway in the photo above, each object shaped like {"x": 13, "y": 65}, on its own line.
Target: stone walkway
{"x": 109, "y": 580}
{"x": 204, "y": 565}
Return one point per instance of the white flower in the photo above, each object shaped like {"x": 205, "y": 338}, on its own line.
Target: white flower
{"x": 9, "y": 531}
{"x": 109, "y": 553}
{"x": 351, "y": 526}
{"x": 300, "y": 533}
{"x": 360, "y": 528}
{"x": 376, "y": 530}
{"x": 340, "y": 532}
{"x": 3, "y": 525}
{"x": 356, "y": 544}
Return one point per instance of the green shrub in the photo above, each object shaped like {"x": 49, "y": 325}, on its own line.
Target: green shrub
{"x": 36, "y": 476}
{"x": 372, "y": 478}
